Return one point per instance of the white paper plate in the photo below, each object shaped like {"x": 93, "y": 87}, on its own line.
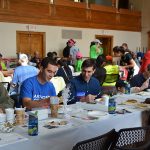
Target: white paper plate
{"x": 96, "y": 114}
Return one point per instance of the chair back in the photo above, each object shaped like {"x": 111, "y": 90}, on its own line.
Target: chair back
{"x": 6, "y": 85}
{"x": 17, "y": 100}
{"x": 102, "y": 142}
{"x": 133, "y": 139}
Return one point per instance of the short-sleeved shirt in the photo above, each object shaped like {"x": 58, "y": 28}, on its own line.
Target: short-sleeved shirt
{"x": 32, "y": 88}
{"x": 21, "y": 73}
{"x": 73, "y": 52}
{"x": 138, "y": 80}
{"x": 66, "y": 52}
{"x": 78, "y": 65}
{"x": 93, "y": 53}
{"x": 2, "y": 66}
{"x": 126, "y": 59}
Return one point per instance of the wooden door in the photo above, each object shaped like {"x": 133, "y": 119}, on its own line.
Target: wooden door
{"x": 107, "y": 43}
{"x": 29, "y": 42}
{"x": 36, "y": 44}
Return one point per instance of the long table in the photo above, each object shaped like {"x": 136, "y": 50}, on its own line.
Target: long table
{"x": 64, "y": 138}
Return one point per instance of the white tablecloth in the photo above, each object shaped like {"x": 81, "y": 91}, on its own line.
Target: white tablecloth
{"x": 64, "y": 138}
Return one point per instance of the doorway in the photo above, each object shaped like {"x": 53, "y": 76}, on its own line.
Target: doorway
{"x": 107, "y": 45}
{"x": 28, "y": 42}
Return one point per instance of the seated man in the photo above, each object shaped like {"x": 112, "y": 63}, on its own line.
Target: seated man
{"x": 36, "y": 91}
{"x": 5, "y": 100}
{"x": 141, "y": 81}
{"x": 22, "y": 72}
{"x": 84, "y": 87}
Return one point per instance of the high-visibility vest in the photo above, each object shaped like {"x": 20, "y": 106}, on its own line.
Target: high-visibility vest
{"x": 112, "y": 74}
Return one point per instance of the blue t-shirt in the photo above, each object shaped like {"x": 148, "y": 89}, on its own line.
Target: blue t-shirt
{"x": 31, "y": 88}
{"x": 21, "y": 73}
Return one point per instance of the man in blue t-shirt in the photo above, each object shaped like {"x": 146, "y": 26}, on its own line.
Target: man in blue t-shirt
{"x": 84, "y": 87}
{"x": 35, "y": 91}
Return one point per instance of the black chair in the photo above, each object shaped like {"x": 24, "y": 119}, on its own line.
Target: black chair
{"x": 102, "y": 142}
{"x": 133, "y": 139}
{"x": 16, "y": 98}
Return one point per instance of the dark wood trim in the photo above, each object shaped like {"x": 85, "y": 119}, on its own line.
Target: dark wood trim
{"x": 69, "y": 14}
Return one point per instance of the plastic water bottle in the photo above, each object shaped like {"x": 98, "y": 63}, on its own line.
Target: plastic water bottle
{"x": 128, "y": 89}
{"x": 33, "y": 124}
{"x": 111, "y": 105}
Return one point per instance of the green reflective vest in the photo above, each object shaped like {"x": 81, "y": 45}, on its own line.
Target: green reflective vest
{"x": 93, "y": 53}
{"x": 112, "y": 74}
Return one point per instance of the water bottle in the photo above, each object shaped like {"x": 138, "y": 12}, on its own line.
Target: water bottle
{"x": 111, "y": 105}
{"x": 128, "y": 89}
{"x": 33, "y": 124}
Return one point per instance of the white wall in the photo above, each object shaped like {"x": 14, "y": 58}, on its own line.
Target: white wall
{"x": 54, "y": 41}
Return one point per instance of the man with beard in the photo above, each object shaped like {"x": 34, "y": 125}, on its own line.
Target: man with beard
{"x": 36, "y": 91}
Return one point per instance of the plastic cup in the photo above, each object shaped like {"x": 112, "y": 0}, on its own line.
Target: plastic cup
{"x": 20, "y": 116}
{"x": 54, "y": 105}
{"x": 105, "y": 98}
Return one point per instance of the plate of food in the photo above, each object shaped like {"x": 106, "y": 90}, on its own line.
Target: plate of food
{"x": 54, "y": 123}
{"x": 142, "y": 105}
{"x": 97, "y": 114}
{"x": 130, "y": 102}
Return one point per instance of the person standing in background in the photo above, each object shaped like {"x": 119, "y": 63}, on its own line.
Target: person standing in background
{"x": 73, "y": 51}
{"x": 78, "y": 62}
{"x": 134, "y": 56}
{"x": 126, "y": 61}
{"x": 145, "y": 61}
{"x": 66, "y": 53}
{"x": 95, "y": 49}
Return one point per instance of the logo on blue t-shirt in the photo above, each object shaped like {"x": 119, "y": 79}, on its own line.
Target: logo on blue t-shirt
{"x": 38, "y": 97}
